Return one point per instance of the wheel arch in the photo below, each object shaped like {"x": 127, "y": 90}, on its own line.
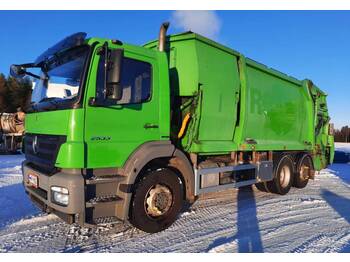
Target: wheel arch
{"x": 302, "y": 155}
{"x": 156, "y": 153}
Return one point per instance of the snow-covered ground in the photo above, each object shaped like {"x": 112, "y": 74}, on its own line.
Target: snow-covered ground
{"x": 345, "y": 147}
{"x": 313, "y": 219}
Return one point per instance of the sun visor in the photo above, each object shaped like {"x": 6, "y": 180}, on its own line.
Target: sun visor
{"x": 74, "y": 40}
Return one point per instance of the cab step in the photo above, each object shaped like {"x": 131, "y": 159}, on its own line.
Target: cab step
{"x": 103, "y": 201}
{"x": 101, "y": 221}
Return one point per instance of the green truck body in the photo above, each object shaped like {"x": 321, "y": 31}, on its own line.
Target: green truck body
{"x": 198, "y": 110}
{"x": 239, "y": 99}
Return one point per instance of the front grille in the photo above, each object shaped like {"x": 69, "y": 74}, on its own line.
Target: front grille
{"x": 46, "y": 150}
{"x": 40, "y": 204}
{"x": 39, "y": 191}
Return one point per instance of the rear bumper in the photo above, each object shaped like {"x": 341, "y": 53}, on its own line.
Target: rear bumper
{"x": 42, "y": 196}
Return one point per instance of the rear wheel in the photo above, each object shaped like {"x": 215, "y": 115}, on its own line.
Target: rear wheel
{"x": 283, "y": 176}
{"x": 303, "y": 171}
{"x": 156, "y": 201}
{"x": 262, "y": 186}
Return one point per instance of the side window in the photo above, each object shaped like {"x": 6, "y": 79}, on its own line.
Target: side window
{"x": 135, "y": 81}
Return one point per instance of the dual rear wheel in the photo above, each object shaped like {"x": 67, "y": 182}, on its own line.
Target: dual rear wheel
{"x": 305, "y": 170}
{"x": 286, "y": 174}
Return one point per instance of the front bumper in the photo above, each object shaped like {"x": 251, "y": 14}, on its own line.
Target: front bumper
{"x": 42, "y": 195}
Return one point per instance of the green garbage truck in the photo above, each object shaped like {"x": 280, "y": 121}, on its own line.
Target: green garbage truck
{"x": 135, "y": 132}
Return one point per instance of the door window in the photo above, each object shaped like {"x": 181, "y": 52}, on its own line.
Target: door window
{"x": 135, "y": 81}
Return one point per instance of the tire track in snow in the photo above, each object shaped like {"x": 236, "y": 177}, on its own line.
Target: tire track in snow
{"x": 301, "y": 221}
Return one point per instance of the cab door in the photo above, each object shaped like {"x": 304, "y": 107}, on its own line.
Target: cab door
{"x": 113, "y": 132}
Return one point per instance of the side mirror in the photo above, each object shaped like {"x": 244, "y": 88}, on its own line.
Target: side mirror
{"x": 113, "y": 88}
{"x": 17, "y": 71}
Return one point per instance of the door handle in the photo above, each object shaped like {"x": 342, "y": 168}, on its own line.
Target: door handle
{"x": 148, "y": 125}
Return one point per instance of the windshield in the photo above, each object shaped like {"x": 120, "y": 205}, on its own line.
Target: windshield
{"x": 61, "y": 77}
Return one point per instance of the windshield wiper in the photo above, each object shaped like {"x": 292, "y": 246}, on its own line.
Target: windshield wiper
{"x": 45, "y": 104}
{"x": 46, "y": 99}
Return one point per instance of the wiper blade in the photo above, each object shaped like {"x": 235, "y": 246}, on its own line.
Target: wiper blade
{"x": 46, "y": 104}
{"x": 45, "y": 99}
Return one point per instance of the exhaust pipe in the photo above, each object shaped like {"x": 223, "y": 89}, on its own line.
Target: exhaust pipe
{"x": 162, "y": 36}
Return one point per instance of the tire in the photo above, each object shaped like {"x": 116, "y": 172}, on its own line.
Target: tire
{"x": 157, "y": 200}
{"x": 303, "y": 169}
{"x": 261, "y": 187}
{"x": 283, "y": 176}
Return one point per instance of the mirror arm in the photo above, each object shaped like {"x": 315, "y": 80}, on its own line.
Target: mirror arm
{"x": 23, "y": 68}
{"x": 95, "y": 102}
{"x": 106, "y": 68}
{"x": 33, "y": 75}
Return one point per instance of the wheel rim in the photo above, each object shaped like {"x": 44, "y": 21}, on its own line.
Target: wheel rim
{"x": 285, "y": 175}
{"x": 158, "y": 200}
{"x": 304, "y": 172}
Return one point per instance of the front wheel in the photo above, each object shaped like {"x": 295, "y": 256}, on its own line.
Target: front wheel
{"x": 157, "y": 200}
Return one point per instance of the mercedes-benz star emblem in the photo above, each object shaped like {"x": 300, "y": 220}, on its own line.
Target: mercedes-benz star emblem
{"x": 35, "y": 145}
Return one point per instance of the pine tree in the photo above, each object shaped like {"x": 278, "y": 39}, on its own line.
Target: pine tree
{"x": 14, "y": 93}
{"x": 2, "y": 92}
{"x": 342, "y": 135}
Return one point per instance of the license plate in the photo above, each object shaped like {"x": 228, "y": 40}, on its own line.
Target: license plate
{"x": 33, "y": 180}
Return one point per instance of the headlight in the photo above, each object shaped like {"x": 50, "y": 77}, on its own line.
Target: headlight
{"x": 60, "y": 195}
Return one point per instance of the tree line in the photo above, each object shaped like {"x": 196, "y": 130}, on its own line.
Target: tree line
{"x": 342, "y": 134}
{"x": 14, "y": 93}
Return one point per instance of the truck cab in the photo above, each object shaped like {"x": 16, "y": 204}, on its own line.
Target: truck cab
{"x": 75, "y": 144}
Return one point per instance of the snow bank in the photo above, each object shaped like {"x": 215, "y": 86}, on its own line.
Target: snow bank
{"x": 344, "y": 147}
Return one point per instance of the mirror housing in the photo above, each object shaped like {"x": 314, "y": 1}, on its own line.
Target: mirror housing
{"x": 17, "y": 71}
{"x": 113, "y": 72}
